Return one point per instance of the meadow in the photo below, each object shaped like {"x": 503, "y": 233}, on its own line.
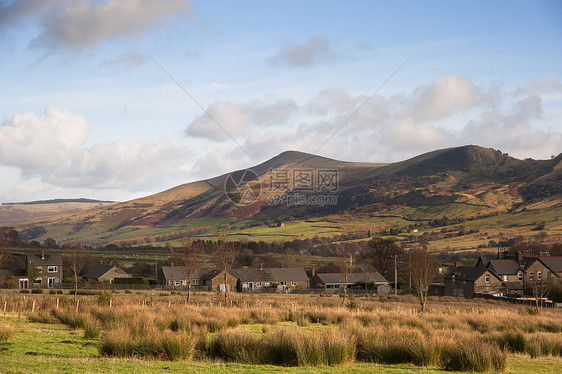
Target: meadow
{"x": 158, "y": 331}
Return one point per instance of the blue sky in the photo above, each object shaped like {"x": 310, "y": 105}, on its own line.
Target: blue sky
{"x": 88, "y": 109}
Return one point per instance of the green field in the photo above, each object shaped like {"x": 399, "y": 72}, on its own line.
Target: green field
{"x": 35, "y": 347}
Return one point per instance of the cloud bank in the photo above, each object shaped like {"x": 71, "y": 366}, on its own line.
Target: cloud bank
{"x": 449, "y": 111}
{"x": 79, "y": 24}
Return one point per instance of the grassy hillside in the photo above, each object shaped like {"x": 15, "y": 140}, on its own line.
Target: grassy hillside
{"x": 469, "y": 184}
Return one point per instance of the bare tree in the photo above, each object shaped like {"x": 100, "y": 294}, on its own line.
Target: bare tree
{"x": 423, "y": 269}
{"x": 190, "y": 260}
{"x": 540, "y": 289}
{"x": 345, "y": 264}
{"x": 75, "y": 260}
{"x": 8, "y": 238}
{"x": 224, "y": 256}
{"x": 380, "y": 255}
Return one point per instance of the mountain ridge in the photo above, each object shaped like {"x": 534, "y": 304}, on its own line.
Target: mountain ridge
{"x": 485, "y": 179}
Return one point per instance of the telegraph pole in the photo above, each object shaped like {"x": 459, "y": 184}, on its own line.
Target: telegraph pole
{"x": 395, "y": 276}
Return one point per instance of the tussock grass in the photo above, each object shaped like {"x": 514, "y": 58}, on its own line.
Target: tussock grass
{"x": 475, "y": 356}
{"x": 142, "y": 341}
{"x": 283, "y": 347}
{"x": 6, "y": 332}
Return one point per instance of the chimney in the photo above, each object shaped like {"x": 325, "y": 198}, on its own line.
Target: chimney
{"x": 42, "y": 255}
{"x": 520, "y": 257}
{"x": 261, "y": 265}
{"x": 313, "y": 271}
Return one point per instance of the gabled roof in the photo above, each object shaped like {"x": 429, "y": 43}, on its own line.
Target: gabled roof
{"x": 288, "y": 274}
{"x": 554, "y": 263}
{"x": 100, "y": 270}
{"x": 252, "y": 275}
{"x": 46, "y": 259}
{"x": 468, "y": 273}
{"x": 339, "y": 278}
{"x": 504, "y": 267}
{"x": 180, "y": 273}
{"x": 483, "y": 261}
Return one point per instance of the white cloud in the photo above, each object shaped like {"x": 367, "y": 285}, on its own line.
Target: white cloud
{"x": 545, "y": 84}
{"x": 316, "y": 50}
{"x": 450, "y": 111}
{"x": 129, "y": 165}
{"x": 442, "y": 98}
{"x": 78, "y": 24}
{"x": 236, "y": 119}
{"x": 127, "y": 59}
{"x": 38, "y": 144}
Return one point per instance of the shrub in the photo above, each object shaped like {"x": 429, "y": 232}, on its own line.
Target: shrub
{"x": 37, "y": 290}
{"x": 24, "y": 291}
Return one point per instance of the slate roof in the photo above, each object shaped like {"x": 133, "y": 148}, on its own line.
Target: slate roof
{"x": 180, "y": 273}
{"x": 468, "y": 273}
{"x": 53, "y": 259}
{"x": 252, "y": 275}
{"x": 554, "y": 263}
{"x": 338, "y": 278}
{"x": 100, "y": 270}
{"x": 504, "y": 267}
{"x": 288, "y": 274}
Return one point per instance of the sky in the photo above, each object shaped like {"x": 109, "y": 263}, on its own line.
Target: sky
{"x": 119, "y": 99}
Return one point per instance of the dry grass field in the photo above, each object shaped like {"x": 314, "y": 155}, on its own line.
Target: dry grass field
{"x": 108, "y": 332}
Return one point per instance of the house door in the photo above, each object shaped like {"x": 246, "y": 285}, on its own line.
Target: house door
{"x": 52, "y": 282}
{"x": 24, "y": 283}
{"x": 250, "y": 286}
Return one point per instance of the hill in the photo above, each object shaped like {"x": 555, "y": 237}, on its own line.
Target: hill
{"x": 16, "y": 212}
{"x": 464, "y": 183}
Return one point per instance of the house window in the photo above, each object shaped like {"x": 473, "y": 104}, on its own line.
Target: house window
{"x": 40, "y": 268}
{"x": 487, "y": 279}
{"x": 196, "y": 282}
{"x": 268, "y": 284}
{"x": 461, "y": 292}
{"x": 52, "y": 269}
{"x": 177, "y": 283}
{"x": 505, "y": 278}
{"x": 258, "y": 284}
{"x": 530, "y": 275}
{"x": 184, "y": 282}
{"x": 293, "y": 283}
{"x": 37, "y": 280}
{"x": 539, "y": 275}
{"x": 521, "y": 277}
{"x": 454, "y": 292}
{"x": 283, "y": 283}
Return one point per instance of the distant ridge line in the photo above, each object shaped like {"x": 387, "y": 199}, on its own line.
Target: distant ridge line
{"x": 57, "y": 201}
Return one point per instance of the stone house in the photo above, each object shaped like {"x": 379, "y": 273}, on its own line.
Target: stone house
{"x": 466, "y": 281}
{"x": 202, "y": 279}
{"x": 105, "y": 273}
{"x": 335, "y": 281}
{"x": 253, "y": 280}
{"x": 50, "y": 271}
{"x": 289, "y": 279}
